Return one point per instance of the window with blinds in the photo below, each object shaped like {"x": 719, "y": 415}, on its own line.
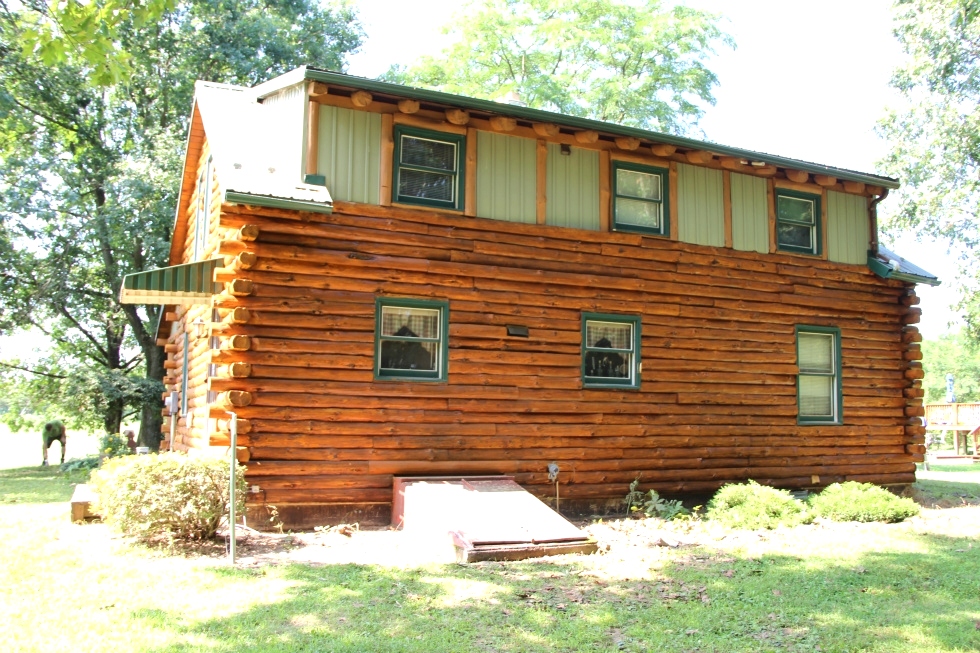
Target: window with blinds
{"x": 610, "y": 350}
{"x": 818, "y": 382}
{"x": 429, "y": 167}
{"x": 410, "y": 339}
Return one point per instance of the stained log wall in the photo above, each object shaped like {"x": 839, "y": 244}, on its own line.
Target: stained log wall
{"x": 717, "y": 402}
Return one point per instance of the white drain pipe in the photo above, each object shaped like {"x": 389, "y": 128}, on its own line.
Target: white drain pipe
{"x": 231, "y": 484}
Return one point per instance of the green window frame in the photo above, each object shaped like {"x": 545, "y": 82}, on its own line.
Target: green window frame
{"x": 610, "y": 354}
{"x": 429, "y": 168}
{"x": 641, "y": 201}
{"x": 798, "y": 222}
{"x": 411, "y": 340}
{"x": 819, "y": 391}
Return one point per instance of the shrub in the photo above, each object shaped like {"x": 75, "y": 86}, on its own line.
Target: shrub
{"x": 113, "y": 445}
{"x": 862, "y": 502}
{"x": 168, "y": 496}
{"x": 666, "y": 509}
{"x": 87, "y": 463}
{"x": 750, "y": 505}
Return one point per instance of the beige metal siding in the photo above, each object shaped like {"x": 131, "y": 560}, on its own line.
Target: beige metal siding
{"x": 750, "y": 213}
{"x": 283, "y": 116}
{"x": 847, "y": 228}
{"x": 573, "y": 188}
{"x": 349, "y": 154}
{"x": 700, "y": 206}
{"x": 506, "y": 177}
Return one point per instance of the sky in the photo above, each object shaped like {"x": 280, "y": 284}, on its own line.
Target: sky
{"x": 806, "y": 80}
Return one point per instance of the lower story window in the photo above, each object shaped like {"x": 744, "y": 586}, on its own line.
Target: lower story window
{"x": 819, "y": 381}
{"x": 411, "y": 340}
{"x": 610, "y": 350}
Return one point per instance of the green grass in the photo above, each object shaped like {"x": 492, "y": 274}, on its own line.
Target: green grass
{"x": 66, "y": 587}
{"x": 36, "y": 485}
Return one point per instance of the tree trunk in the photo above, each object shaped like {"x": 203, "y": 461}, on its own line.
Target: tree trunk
{"x": 152, "y": 410}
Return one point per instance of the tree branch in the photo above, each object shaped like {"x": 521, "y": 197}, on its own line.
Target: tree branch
{"x": 24, "y": 369}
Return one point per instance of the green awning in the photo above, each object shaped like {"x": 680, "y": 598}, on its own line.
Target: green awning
{"x": 191, "y": 283}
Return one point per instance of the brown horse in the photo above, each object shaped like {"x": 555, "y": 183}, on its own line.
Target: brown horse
{"x": 53, "y": 430}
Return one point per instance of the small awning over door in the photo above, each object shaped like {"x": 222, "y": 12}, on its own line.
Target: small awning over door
{"x": 191, "y": 283}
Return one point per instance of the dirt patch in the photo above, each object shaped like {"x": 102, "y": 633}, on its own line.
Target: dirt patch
{"x": 625, "y": 545}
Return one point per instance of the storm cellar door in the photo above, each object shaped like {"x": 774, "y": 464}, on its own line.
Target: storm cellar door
{"x": 488, "y": 517}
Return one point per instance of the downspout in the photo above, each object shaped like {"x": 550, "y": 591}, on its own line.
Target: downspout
{"x": 873, "y": 222}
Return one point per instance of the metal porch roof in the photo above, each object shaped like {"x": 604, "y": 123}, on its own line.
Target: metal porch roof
{"x": 190, "y": 283}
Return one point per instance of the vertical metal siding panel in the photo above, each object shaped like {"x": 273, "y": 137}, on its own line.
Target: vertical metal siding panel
{"x": 700, "y": 205}
{"x": 284, "y": 114}
{"x": 505, "y": 178}
{"x": 847, "y": 228}
{"x": 750, "y": 214}
{"x": 573, "y": 188}
{"x": 349, "y": 154}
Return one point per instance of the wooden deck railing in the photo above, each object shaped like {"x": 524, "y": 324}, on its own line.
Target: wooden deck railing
{"x": 961, "y": 419}
{"x": 953, "y": 417}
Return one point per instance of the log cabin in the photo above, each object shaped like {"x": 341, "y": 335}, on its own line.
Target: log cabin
{"x": 385, "y": 281}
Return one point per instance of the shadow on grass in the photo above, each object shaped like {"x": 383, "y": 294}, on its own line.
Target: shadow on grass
{"x": 35, "y": 485}
{"x": 706, "y": 601}
{"x": 934, "y": 493}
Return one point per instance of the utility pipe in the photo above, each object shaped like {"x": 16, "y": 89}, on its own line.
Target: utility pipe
{"x": 873, "y": 215}
{"x": 231, "y": 484}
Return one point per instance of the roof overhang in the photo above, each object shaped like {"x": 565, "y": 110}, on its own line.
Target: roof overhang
{"x": 252, "y": 199}
{"x": 190, "y": 283}
{"x": 538, "y": 115}
{"x": 889, "y": 265}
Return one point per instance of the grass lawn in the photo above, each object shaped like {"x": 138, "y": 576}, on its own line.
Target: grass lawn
{"x": 827, "y": 587}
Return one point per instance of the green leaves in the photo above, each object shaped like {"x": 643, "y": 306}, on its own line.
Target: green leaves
{"x": 935, "y": 134}
{"x": 87, "y": 34}
{"x": 638, "y": 64}
{"x": 94, "y": 103}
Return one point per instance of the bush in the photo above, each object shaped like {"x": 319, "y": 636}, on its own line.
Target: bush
{"x": 113, "y": 445}
{"x": 168, "y": 496}
{"x": 87, "y": 463}
{"x": 752, "y": 506}
{"x": 862, "y": 502}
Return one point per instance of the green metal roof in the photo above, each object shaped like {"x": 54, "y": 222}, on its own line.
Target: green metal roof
{"x": 538, "y": 115}
{"x": 190, "y": 283}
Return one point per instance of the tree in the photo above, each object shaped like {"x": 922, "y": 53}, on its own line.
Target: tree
{"x": 635, "y": 63}
{"x": 935, "y": 136}
{"x": 89, "y": 172}
{"x": 86, "y": 31}
{"x": 956, "y": 354}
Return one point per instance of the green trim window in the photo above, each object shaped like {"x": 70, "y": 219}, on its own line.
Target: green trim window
{"x": 429, "y": 168}
{"x": 410, "y": 339}
{"x": 818, "y": 384}
{"x": 640, "y": 201}
{"x": 203, "y": 214}
{"x": 797, "y": 222}
{"x": 610, "y": 351}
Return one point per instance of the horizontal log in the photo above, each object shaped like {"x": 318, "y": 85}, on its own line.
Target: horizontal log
{"x": 232, "y": 399}
{"x": 502, "y": 123}
{"x": 408, "y": 106}
{"x": 546, "y": 129}
{"x": 913, "y": 316}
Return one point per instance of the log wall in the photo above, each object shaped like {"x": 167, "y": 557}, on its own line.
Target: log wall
{"x": 717, "y": 402}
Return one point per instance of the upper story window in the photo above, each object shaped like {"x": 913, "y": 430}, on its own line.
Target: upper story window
{"x": 797, "y": 221}
{"x": 610, "y": 351}
{"x": 640, "y": 198}
{"x": 202, "y": 218}
{"x": 411, "y": 341}
{"x": 819, "y": 389}
{"x": 429, "y": 168}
